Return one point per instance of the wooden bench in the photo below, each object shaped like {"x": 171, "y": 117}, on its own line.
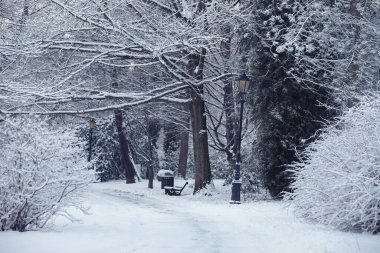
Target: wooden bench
{"x": 174, "y": 191}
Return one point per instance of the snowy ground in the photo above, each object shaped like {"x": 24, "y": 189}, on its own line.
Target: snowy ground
{"x": 132, "y": 218}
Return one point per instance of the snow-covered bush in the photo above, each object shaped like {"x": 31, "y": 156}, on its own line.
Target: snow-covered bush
{"x": 338, "y": 180}
{"x": 42, "y": 172}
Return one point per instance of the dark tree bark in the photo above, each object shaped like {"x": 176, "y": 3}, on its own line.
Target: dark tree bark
{"x": 150, "y": 163}
{"x": 200, "y": 140}
{"x": 183, "y": 152}
{"x": 152, "y": 133}
{"x": 228, "y": 101}
{"x": 199, "y": 124}
{"x": 126, "y": 161}
{"x": 229, "y": 109}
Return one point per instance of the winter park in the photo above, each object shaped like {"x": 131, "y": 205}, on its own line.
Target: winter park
{"x": 182, "y": 126}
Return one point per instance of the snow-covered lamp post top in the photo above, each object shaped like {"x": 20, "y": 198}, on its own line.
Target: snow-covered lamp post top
{"x": 243, "y": 83}
{"x": 92, "y": 124}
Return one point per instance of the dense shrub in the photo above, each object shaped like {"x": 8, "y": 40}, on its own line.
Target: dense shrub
{"x": 338, "y": 180}
{"x": 41, "y": 174}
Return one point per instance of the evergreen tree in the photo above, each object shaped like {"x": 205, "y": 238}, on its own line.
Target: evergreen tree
{"x": 287, "y": 112}
{"x": 171, "y": 144}
{"x": 104, "y": 151}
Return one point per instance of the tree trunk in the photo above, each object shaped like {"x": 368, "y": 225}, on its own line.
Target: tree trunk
{"x": 126, "y": 161}
{"x": 228, "y": 104}
{"x": 199, "y": 124}
{"x": 200, "y": 140}
{"x": 183, "y": 153}
{"x": 150, "y": 174}
{"x": 150, "y": 162}
{"x": 229, "y": 108}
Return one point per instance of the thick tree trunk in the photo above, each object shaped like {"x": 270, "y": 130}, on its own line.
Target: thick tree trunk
{"x": 229, "y": 108}
{"x": 200, "y": 140}
{"x": 230, "y": 130}
{"x": 126, "y": 161}
{"x": 183, "y": 153}
{"x": 150, "y": 174}
{"x": 199, "y": 124}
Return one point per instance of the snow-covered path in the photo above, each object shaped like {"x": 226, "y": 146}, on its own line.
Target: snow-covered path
{"x": 131, "y": 218}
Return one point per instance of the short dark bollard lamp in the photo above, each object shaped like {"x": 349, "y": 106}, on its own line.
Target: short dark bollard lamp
{"x": 242, "y": 84}
{"x": 92, "y": 127}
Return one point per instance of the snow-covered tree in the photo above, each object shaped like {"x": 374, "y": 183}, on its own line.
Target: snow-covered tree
{"x": 308, "y": 59}
{"x": 284, "y": 111}
{"x": 335, "y": 44}
{"x": 337, "y": 180}
{"x": 168, "y": 40}
{"x": 105, "y": 152}
{"x": 43, "y": 170}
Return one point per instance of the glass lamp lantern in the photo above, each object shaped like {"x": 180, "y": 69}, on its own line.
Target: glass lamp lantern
{"x": 243, "y": 83}
{"x": 92, "y": 124}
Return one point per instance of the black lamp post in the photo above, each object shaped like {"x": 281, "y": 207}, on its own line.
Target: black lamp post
{"x": 243, "y": 84}
{"x": 92, "y": 127}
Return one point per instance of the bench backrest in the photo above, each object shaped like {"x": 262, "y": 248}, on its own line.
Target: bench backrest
{"x": 183, "y": 187}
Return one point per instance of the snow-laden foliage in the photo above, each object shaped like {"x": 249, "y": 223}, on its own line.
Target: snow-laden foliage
{"x": 338, "y": 180}
{"x": 105, "y": 150}
{"x": 42, "y": 172}
{"x": 301, "y": 55}
{"x": 284, "y": 111}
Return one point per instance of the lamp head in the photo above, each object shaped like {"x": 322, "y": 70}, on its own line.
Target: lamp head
{"x": 92, "y": 124}
{"x": 243, "y": 83}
